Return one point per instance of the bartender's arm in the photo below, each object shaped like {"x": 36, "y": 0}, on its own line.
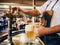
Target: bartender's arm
{"x": 44, "y": 31}
{"x": 30, "y": 12}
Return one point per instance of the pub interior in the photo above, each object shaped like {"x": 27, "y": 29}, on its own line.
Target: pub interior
{"x": 14, "y": 24}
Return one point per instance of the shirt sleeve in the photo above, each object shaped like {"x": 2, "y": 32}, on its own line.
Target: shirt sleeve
{"x": 43, "y": 7}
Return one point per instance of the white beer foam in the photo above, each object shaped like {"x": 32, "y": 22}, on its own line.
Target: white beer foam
{"x": 29, "y": 27}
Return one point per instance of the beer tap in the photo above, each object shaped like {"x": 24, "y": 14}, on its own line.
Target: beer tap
{"x": 10, "y": 17}
{"x": 33, "y": 18}
{"x": 39, "y": 17}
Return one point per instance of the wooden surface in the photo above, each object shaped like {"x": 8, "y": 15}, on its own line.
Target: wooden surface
{"x": 16, "y": 40}
{"x": 24, "y": 2}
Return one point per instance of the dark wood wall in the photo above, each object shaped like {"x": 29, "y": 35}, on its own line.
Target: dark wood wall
{"x": 26, "y": 2}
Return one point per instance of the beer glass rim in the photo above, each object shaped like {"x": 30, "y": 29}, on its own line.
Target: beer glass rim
{"x": 29, "y": 27}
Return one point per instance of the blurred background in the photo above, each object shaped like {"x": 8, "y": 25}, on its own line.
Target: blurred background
{"x": 20, "y": 21}
{"x": 27, "y": 4}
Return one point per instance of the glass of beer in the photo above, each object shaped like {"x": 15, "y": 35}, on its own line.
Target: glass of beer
{"x": 29, "y": 30}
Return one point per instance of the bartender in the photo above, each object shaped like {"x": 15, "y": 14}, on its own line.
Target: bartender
{"x": 55, "y": 21}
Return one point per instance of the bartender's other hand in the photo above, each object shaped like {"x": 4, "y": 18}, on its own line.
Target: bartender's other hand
{"x": 40, "y": 30}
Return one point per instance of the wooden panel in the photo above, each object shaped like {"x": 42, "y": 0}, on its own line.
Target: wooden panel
{"x": 26, "y": 2}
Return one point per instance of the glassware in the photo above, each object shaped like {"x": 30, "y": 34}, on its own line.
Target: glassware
{"x": 29, "y": 30}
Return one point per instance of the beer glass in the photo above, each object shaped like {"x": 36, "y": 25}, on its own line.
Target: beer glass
{"x": 29, "y": 30}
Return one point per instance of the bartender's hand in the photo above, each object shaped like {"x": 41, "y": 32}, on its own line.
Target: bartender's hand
{"x": 40, "y": 30}
{"x": 32, "y": 12}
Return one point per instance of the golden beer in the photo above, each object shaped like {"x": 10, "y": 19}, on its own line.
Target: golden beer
{"x": 29, "y": 29}
{"x": 30, "y": 34}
